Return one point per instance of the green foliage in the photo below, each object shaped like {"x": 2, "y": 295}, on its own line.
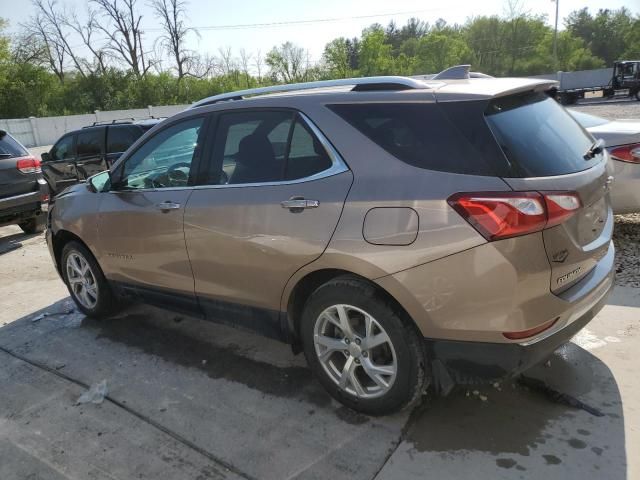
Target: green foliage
{"x": 515, "y": 44}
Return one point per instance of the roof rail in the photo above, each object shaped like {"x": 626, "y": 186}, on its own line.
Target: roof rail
{"x": 359, "y": 84}
{"x": 112, "y": 122}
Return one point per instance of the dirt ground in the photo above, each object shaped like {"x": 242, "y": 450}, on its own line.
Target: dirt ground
{"x": 187, "y": 399}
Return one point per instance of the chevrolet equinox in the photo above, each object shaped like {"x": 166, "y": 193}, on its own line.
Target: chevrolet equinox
{"x": 398, "y": 231}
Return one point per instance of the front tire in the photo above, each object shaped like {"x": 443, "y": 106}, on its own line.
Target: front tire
{"x": 87, "y": 284}
{"x": 365, "y": 353}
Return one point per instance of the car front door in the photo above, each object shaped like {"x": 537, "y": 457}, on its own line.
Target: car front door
{"x": 140, "y": 225}
{"x": 58, "y": 167}
{"x": 90, "y": 152}
{"x": 267, "y": 205}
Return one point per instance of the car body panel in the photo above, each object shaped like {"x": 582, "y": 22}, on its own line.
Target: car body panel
{"x": 625, "y": 191}
{"x": 237, "y": 235}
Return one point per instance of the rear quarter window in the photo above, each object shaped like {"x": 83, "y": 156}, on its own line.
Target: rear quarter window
{"x": 419, "y": 134}
{"x": 9, "y": 147}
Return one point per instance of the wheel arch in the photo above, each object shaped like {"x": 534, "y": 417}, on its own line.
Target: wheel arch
{"x": 59, "y": 240}
{"x": 311, "y": 281}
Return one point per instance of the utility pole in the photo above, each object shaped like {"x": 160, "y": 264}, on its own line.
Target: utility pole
{"x": 555, "y": 38}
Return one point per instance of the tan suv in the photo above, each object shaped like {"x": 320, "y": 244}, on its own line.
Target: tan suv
{"x": 399, "y": 231}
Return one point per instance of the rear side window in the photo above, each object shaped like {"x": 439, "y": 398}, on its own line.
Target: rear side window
{"x": 538, "y": 136}
{"x": 265, "y": 146}
{"x": 419, "y": 134}
{"x": 121, "y": 138}
{"x": 9, "y": 147}
{"x": 90, "y": 142}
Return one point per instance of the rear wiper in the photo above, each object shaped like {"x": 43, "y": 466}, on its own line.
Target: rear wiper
{"x": 595, "y": 149}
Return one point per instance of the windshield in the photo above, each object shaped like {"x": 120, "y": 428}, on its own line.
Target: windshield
{"x": 586, "y": 120}
{"x": 538, "y": 136}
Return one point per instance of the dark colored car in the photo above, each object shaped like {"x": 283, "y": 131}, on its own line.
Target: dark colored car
{"x": 23, "y": 192}
{"x": 90, "y": 150}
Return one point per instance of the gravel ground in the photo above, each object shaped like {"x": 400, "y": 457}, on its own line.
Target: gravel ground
{"x": 610, "y": 109}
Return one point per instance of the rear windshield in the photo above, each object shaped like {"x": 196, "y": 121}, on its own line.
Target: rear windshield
{"x": 538, "y": 136}
{"x": 420, "y": 134}
{"x": 9, "y": 147}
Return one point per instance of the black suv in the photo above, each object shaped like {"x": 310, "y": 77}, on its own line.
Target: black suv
{"x": 90, "y": 150}
{"x": 23, "y": 192}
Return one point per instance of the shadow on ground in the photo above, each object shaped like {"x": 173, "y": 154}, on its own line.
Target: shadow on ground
{"x": 14, "y": 241}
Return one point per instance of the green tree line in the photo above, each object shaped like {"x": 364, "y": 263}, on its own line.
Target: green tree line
{"x": 42, "y": 76}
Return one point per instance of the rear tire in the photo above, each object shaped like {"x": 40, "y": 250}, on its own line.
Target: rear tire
{"x": 87, "y": 284}
{"x": 32, "y": 226}
{"x": 375, "y": 363}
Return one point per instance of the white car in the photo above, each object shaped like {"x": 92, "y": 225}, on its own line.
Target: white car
{"x": 622, "y": 139}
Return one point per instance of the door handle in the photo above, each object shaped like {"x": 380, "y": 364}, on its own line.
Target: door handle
{"x": 299, "y": 204}
{"x": 166, "y": 206}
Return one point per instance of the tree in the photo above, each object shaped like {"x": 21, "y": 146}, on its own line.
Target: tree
{"x": 606, "y": 34}
{"x": 337, "y": 58}
{"x": 124, "y": 33}
{"x": 437, "y": 51}
{"x": 375, "y": 54}
{"x": 288, "y": 63}
{"x": 171, "y": 14}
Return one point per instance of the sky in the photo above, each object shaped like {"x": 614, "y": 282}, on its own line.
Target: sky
{"x": 235, "y": 23}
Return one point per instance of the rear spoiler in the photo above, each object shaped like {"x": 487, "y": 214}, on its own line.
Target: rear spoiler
{"x": 486, "y": 89}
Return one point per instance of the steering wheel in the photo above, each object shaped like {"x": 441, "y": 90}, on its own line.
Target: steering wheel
{"x": 178, "y": 175}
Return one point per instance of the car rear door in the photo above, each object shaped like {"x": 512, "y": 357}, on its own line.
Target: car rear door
{"x": 267, "y": 205}
{"x": 59, "y": 169}
{"x": 90, "y": 152}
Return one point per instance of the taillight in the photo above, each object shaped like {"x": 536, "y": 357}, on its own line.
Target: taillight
{"x": 626, "y": 153}
{"x": 531, "y": 332}
{"x": 499, "y": 215}
{"x": 28, "y": 165}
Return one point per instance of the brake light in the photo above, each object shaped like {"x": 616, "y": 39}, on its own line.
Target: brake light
{"x": 627, "y": 153}
{"x": 28, "y": 165}
{"x": 499, "y": 215}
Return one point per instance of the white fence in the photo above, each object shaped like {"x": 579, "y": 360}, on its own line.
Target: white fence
{"x": 33, "y": 132}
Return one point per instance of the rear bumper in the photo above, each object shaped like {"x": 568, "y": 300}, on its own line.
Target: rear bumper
{"x": 473, "y": 362}
{"x": 22, "y": 207}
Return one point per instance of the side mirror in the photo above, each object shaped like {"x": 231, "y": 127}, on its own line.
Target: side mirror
{"x": 45, "y": 156}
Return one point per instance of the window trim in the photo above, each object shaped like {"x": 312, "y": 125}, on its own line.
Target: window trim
{"x": 338, "y": 165}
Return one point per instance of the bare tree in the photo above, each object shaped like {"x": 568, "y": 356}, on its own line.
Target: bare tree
{"x": 171, "y": 14}
{"x": 87, "y": 29}
{"x": 38, "y": 31}
{"x": 124, "y": 33}
{"x": 227, "y": 62}
{"x": 50, "y": 24}
{"x": 258, "y": 63}
{"x": 245, "y": 59}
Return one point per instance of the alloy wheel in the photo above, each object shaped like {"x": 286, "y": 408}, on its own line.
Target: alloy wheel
{"x": 355, "y": 351}
{"x": 82, "y": 280}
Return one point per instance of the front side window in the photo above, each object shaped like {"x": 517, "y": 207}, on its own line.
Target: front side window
{"x": 165, "y": 159}
{"x": 63, "y": 149}
{"x": 89, "y": 142}
{"x": 263, "y": 147}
